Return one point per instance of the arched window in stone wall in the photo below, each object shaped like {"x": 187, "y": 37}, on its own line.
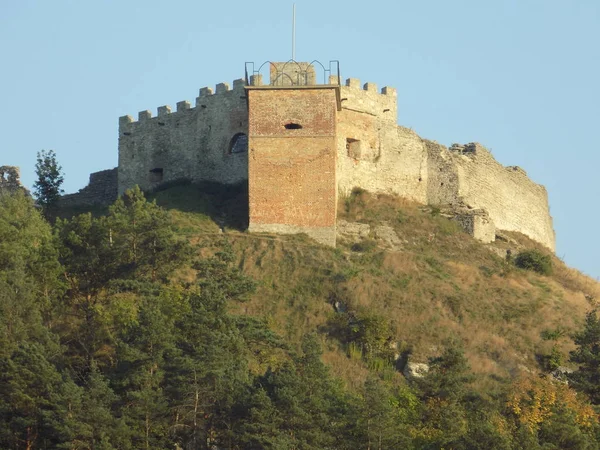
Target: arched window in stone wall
{"x": 238, "y": 143}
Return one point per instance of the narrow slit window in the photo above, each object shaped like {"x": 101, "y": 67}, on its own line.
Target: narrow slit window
{"x": 156, "y": 175}
{"x": 292, "y": 126}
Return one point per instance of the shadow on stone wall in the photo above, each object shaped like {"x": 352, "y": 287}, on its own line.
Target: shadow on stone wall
{"x": 225, "y": 204}
{"x": 101, "y": 190}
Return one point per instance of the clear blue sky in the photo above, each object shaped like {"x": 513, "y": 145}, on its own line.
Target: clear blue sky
{"x": 520, "y": 76}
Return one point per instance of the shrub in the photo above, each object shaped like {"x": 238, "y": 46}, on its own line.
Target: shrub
{"x": 555, "y": 359}
{"x": 534, "y": 260}
{"x": 356, "y": 197}
{"x": 364, "y": 246}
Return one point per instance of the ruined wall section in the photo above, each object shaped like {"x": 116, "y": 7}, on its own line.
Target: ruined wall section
{"x": 192, "y": 143}
{"x": 374, "y": 153}
{"x": 478, "y": 224}
{"x": 101, "y": 190}
{"x": 512, "y": 200}
{"x": 292, "y": 153}
{"x": 442, "y": 176}
{"x": 10, "y": 180}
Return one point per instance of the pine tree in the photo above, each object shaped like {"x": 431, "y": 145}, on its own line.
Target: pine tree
{"x": 444, "y": 393}
{"x": 587, "y": 354}
{"x": 142, "y": 352}
{"x": 28, "y": 272}
{"x": 142, "y": 238}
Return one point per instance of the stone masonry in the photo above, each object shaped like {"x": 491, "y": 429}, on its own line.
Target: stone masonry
{"x": 187, "y": 144}
{"x": 101, "y": 190}
{"x": 10, "y": 179}
{"x": 300, "y": 145}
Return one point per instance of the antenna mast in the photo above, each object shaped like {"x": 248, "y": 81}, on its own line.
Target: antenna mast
{"x": 294, "y": 32}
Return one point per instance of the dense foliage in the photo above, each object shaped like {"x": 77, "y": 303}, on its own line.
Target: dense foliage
{"x": 534, "y": 260}
{"x": 47, "y": 186}
{"x": 115, "y": 333}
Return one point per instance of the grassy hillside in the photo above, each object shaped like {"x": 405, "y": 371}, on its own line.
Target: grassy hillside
{"x": 138, "y": 327}
{"x": 438, "y": 284}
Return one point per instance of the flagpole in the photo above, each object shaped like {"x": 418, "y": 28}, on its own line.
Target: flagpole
{"x": 294, "y": 32}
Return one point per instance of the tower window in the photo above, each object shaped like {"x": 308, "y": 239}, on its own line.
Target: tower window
{"x": 156, "y": 175}
{"x": 239, "y": 143}
{"x": 353, "y": 147}
{"x": 292, "y": 126}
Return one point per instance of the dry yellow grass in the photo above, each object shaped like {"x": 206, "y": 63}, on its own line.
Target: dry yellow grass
{"x": 440, "y": 285}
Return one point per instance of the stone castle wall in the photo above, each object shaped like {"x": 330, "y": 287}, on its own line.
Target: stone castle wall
{"x": 513, "y": 201}
{"x": 373, "y": 152}
{"x": 376, "y": 154}
{"x": 193, "y": 143}
{"x": 101, "y": 190}
{"x": 10, "y": 179}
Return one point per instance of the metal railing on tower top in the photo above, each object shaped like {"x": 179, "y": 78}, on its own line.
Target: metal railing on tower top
{"x": 292, "y": 73}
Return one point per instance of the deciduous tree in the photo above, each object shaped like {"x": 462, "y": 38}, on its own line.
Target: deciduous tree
{"x": 47, "y": 186}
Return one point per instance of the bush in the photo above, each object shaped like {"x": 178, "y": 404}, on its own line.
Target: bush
{"x": 364, "y": 246}
{"x": 534, "y": 260}
{"x": 356, "y": 197}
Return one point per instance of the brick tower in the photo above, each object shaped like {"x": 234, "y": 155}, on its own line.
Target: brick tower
{"x": 292, "y": 148}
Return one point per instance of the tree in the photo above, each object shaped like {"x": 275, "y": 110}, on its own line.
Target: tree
{"x": 142, "y": 237}
{"x": 29, "y": 272}
{"x": 552, "y": 414}
{"x": 298, "y": 405}
{"x": 445, "y": 396}
{"x": 380, "y": 421}
{"x": 31, "y": 392}
{"x": 49, "y": 179}
{"x": 587, "y": 354}
{"x": 142, "y": 353}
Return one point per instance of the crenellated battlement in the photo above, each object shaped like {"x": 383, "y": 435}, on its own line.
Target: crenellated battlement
{"x": 204, "y": 94}
{"x": 366, "y": 98}
{"x": 354, "y": 83}
{"x": 191, "y": 141}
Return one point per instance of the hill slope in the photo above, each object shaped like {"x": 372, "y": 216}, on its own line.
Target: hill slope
{"x": 140, "y": 327}
{"x": 433, "y": 283}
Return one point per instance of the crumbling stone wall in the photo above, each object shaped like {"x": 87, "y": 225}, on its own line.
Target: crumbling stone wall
{"x": 513, "y": 201}
{"x": 10, "y": 180}
{"x": 374, "y": 153}
{"x": 443, "y": 177}
{"x": 101, "y": 190}
{"x": 193, "y": 143}
{"x": 478, "y": 224}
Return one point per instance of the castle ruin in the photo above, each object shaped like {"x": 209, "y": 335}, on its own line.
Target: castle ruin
{"x": 302, "y": 138}
{"x": 10, "y": 180}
